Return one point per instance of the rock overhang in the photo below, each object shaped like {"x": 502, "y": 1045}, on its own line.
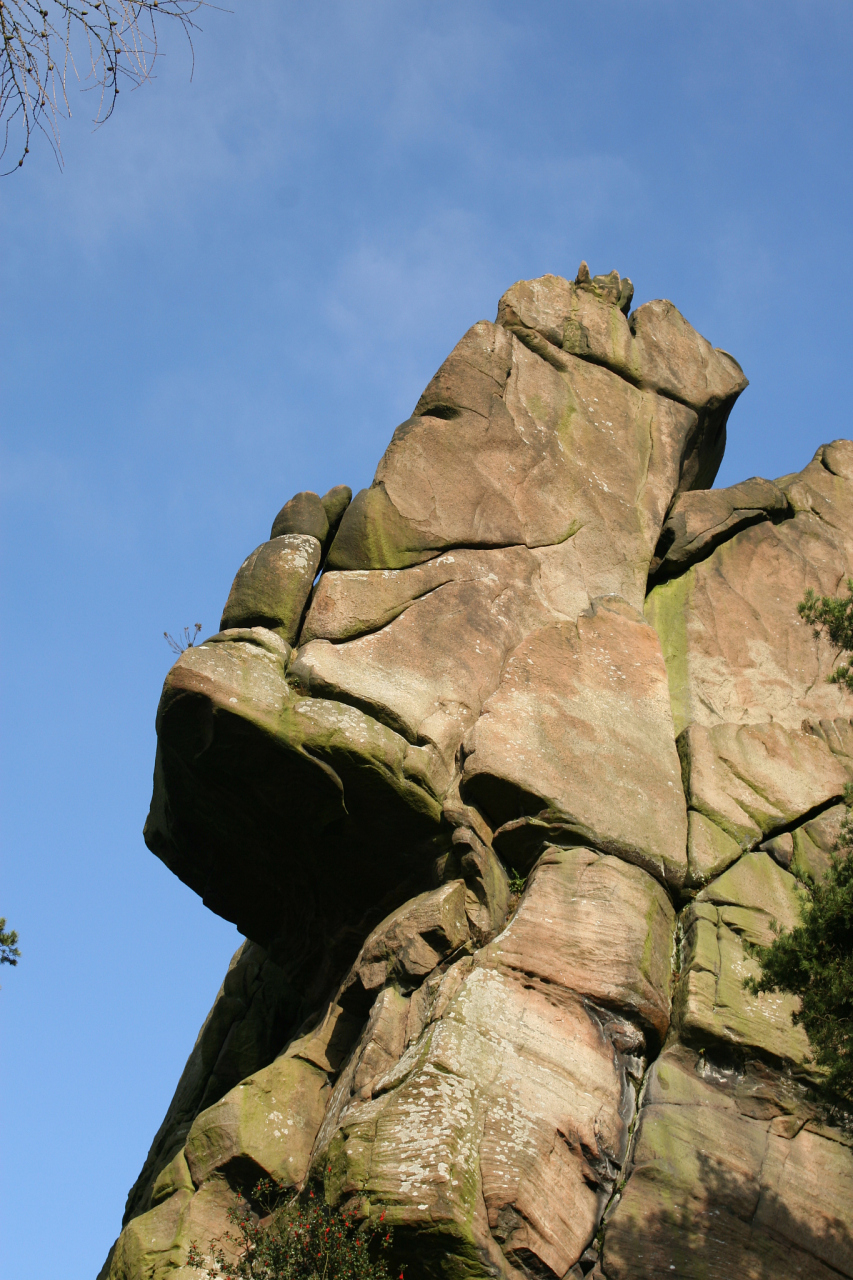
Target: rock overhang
{"x": 524, "y": 487}
{"x": 519, "y": 659}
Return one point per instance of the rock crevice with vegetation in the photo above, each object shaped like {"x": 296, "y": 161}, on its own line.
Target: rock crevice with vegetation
{"x": 509, "y": 803}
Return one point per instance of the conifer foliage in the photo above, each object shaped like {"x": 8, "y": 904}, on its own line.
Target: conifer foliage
{"x": 9, "y": 952}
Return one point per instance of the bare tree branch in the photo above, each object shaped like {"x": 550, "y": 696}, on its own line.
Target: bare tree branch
{"x": 112, "y": 42}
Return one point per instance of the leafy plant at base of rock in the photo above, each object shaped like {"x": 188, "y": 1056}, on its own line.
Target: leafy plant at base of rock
{"x": 302, "y": 1240}
{"x": 9, "y": 953}
{"x": 832, "y": 615}
{"x": 183, "y": 642}
{"x": 815, "y": 962}
{"x": 516, "y": 883}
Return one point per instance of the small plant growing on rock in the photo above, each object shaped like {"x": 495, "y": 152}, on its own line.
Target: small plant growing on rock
{"x": 183, "y": 642}
{"x": 516, "y": 883}
{"x": 303, "y": 1239}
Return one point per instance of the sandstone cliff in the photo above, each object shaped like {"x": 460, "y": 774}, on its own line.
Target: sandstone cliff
{"x": 539, "y": 642}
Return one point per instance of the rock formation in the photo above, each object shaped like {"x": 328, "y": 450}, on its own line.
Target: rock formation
{"x": 538, "y": 643}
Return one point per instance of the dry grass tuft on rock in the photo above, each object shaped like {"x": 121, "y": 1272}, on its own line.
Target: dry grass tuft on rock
{"x": 183, "y": 642}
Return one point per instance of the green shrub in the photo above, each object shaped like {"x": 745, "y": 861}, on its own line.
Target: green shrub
{"x": 301, "y": 1240}
{"x": 815, "y": 962}
{"x": 833, "y": 615}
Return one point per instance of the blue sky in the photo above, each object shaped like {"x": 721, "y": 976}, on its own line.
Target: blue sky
{"x": 236, "y": 290}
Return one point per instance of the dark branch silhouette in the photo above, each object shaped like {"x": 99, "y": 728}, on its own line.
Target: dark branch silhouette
{"x": 106, "y": 44}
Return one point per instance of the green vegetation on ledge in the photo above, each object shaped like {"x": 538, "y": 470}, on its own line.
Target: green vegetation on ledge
{"x": 301, "y": 1240}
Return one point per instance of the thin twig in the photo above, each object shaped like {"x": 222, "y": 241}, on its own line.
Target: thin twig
{"x": 121, "y": 42}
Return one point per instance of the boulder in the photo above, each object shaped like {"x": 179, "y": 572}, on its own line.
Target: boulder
{"x": 307, "y": 514}
{"x": 264, "y": 1127}
{"x": 382, "y": 1043}
{"x": 327, "y": 1040}
{"x": 428, "y": 662}
{"x": 487, "y": 896}
{"x": 710, "y": 849}
{"x": 423, "y": 648}
{"x": 813, "y": 843}
{"x": 497, "y": 1134}
{"x": 174, "y": 1177}
{"x": 355, "y": 803}
{"x": 408, "y": 945}
{"x": 678, "y": 362}
{"x": 780, "y": 848}
{"x": 806, "y": 1191}
{"x": 655, "y": 348}
{"x": 155, "y": 1244}
{"x": 347, "y": 605}
{"x": 335, "y": 503}
{"x": 473, "y": 1111}
{"x": 272, "y": 586}
{"x": 303, "y": 514}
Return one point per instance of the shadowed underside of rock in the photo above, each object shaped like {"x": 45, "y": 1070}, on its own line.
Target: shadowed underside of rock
{"x": 500, "y": 800}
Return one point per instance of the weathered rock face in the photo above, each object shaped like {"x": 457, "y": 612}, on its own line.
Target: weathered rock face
{"x": 539, "y": 646}
{"x": 728, "y": 1179}
{"x": 734, "y": 650}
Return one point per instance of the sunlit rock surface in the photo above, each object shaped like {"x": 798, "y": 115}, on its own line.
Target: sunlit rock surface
{"x": 499, "y": 800}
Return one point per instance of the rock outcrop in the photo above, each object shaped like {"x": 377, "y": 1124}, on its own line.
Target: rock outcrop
{"x": 499, "y": 800}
